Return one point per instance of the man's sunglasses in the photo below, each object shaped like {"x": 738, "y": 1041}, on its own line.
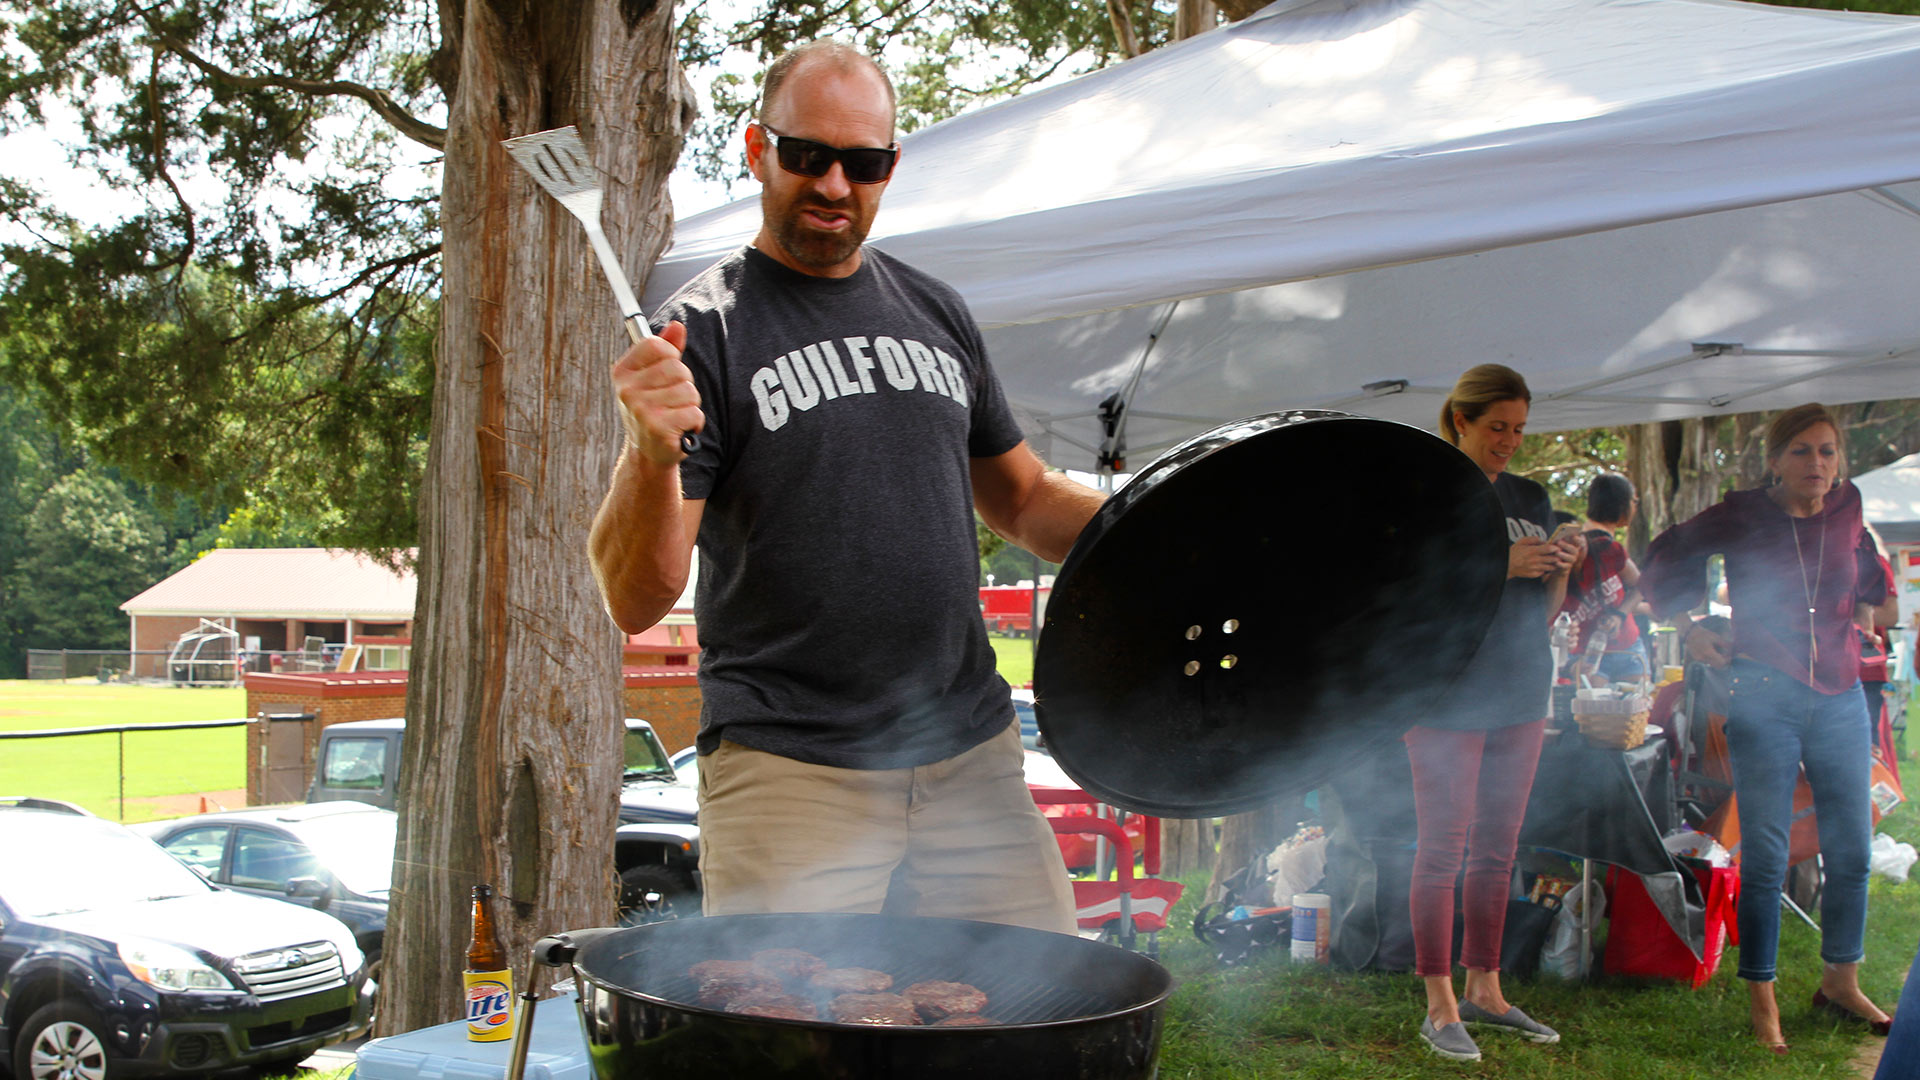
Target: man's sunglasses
{"x": 804, "y": 157}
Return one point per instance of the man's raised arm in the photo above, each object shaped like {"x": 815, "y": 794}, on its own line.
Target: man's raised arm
{"x": 642, "y": 539}
{"x": 1039, "y": 510}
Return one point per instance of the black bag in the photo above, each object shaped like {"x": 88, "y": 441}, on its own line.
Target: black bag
{"x": 1237, "y": 941}
{"x": 1241, "y": 941}
{"x": 1526, "y": 932}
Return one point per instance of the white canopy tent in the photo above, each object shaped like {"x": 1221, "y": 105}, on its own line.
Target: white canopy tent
{"x": 1890, "y": 498}
{"x": 1652, "y": 208}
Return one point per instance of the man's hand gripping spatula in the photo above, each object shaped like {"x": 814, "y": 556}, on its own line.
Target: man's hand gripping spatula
{"x": 557, "y": 160}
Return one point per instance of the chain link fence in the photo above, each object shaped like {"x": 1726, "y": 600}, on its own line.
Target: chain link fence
{"x": 155, "y": 665}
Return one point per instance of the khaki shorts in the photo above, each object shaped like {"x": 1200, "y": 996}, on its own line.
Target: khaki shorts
{"x": 960, "y": 838}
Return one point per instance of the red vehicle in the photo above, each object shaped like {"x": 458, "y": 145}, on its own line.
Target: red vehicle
{"x": 1009, "y": 609}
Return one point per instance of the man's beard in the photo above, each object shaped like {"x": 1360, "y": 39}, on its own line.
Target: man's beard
{"x": 813, "y": 248}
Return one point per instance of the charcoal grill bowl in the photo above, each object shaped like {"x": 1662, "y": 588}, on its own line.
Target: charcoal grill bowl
{"x": 1068, "y": 1008}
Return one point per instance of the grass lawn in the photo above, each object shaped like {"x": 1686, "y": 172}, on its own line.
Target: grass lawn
{"x": 1015, "y": 656}
{"x": 1275, "y": 1020}
{"x": 85, "y": 769}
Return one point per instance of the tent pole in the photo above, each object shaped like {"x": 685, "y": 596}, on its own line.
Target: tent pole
{"x": 1113, "y": 411}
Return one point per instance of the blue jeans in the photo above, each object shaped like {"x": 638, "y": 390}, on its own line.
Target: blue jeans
{"x": 1628, "y": 666}
{"x": 1900, "y": 1057}
{"x": 1775, "y": 725}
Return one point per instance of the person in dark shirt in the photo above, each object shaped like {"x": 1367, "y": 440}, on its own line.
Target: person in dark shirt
{"x": 1800, "y": 572}
{"x": 858, "y": 750}
{"x": 1475, "y": 755}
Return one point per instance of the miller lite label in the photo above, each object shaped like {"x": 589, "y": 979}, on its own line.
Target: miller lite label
{"x": 489, "y": 1005}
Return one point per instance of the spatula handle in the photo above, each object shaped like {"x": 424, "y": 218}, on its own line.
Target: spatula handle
{"x": 639, "y": 331}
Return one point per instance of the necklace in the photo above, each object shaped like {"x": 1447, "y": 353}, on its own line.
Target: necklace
{"x": 1819, "y": 567}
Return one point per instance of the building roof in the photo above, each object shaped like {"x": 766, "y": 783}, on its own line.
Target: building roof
{"x": 281, "y": 583}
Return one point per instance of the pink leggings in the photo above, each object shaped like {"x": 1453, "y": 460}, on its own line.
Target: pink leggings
{"x": 1470, "y": 792}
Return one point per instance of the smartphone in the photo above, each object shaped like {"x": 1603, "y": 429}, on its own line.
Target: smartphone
{"x": 1564, "y": 531}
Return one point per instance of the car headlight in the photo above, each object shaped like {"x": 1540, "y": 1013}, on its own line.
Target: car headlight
{"x": 350, "y": 955}
{"x": 170, "y": 967}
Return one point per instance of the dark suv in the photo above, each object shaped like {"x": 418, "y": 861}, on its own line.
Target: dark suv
{"x": 117, "y": 960}
{"x": 656, "y": 848}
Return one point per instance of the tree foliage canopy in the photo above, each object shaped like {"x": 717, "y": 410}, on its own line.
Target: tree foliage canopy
{"x": 242, "y": 310}
{"x": 945, "y": 56}
{"x": 88, "y": 547}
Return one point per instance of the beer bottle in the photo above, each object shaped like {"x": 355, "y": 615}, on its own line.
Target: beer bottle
{"x": 489, "y": 978}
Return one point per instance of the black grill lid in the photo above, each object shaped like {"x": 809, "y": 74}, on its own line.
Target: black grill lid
{"x": 1261, "y": 606}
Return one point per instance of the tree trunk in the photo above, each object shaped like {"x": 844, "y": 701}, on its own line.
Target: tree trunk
{"x": 1186, "y": 845}
{"x": 1123, "y": 35}
{"x": 1675, "y": 468}
{"x": 1246, "y": 837}
{"x": 512, "y": 765}
{"x": 1194, "y": 17}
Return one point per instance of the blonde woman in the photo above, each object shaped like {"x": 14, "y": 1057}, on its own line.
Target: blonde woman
{"x": 1474, "y": 756}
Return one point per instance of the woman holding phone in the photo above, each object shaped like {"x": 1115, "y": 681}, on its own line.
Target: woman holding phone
{"x": 1474, "y": 757}
{"x": 1800, "y": 571}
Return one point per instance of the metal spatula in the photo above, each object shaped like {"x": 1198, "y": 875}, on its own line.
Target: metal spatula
{"x": 557, "y": 160}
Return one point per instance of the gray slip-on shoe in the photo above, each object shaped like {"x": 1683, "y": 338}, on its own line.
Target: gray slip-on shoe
{"x": 1450, "y": 1041}
{"x": 1514, "y": 1020}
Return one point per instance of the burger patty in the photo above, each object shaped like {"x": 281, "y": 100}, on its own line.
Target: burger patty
{"x": 774, "y": 1006}
{"x": 966, "y": 1020}
{"x": 726, "y": 981}
{"x": 873, "y": 1009}
{"x": 852, "y": 981}
{"x": 793, "y": 965}
{"x": 733, "y": 969}
{"x": 937, "y": 1000}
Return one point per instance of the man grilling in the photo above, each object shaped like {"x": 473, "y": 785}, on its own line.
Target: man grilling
{"x": 857, "y": 747}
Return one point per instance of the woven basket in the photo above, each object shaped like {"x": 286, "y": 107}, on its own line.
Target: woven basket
{"x": 1615, "y": 723}
{"x": 1615, "y": 732}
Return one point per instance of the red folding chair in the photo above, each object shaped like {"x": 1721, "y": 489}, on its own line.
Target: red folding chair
{"x": 1122, "y": 909}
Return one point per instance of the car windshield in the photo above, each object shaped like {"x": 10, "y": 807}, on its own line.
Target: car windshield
{"x": 645, "y": 756}
{"x": 355, "y": 764}
{"x": 356, "y": 848}
{"x": 52, "y": 866}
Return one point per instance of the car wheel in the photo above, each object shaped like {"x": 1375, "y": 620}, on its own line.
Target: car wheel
{"x": 651, "y": 893}
{"x": 376, "y": 974}
{"x": 63, "y": 1041}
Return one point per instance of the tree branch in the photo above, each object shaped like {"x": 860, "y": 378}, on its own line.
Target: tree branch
{"x": 366, "y": 273}
{"x": 383, "y": 104}
{"x": 180, "y": 260}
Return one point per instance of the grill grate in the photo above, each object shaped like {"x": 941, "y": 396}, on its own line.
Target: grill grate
{"x": 1012, "y": 998}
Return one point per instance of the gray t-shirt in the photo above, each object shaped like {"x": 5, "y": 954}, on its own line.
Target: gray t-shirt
{"x": 838, "y": 599}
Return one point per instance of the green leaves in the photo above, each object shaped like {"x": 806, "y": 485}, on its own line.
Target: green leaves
{"x": 246, "y": 329}
{"x": 88, "y": 547}
{"x": 944, "y": 56}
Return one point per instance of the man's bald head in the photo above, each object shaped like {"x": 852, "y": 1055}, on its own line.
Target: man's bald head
{"x": 828, "y": 53}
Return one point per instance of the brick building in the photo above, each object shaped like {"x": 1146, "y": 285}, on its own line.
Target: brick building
{"x": 661, "y": 687}
{"x": 274, "y": 599}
